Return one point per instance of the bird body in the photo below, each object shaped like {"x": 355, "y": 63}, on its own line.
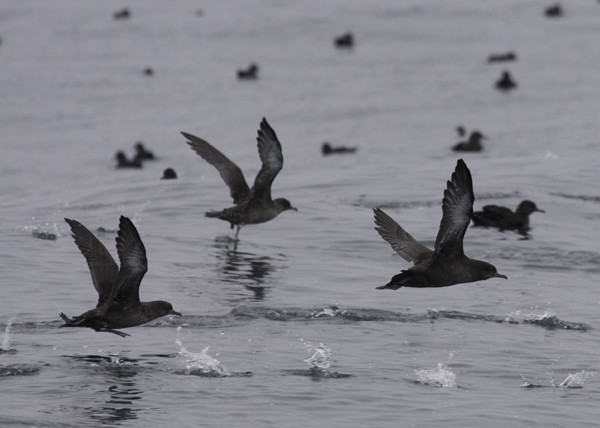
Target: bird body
{"x": 473, "y": 144}
{"x": 447, "y": 264}
{"x": 505, "y": 219}
{"x": 118, "y": 304}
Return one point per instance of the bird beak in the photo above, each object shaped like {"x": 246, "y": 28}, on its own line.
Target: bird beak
{"x": 294, "y": 208}
{"x": 498, "y": 275}
{"x": 540, "y": 211}
{"x": 175, "y": 313}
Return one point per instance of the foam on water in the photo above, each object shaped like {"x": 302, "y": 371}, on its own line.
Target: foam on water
{"x": 440, "y": 375}
{"x": 320, "y": 357}
{"x": 5, "y": 345}
{"x": 200, "y": 363}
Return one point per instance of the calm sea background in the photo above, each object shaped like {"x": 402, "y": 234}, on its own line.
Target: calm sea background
{"x": 288, "y": 330}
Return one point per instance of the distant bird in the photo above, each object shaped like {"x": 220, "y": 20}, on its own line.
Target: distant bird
{"x": 473, "y": 144}
{"x": 123, "y": 162}
{"x": 328, "y": 149}
{"x": 460, "y": 131}
{"x": 119, "y": 303}
{"x": 503, "y": 57}
{"x": 506, "y": 82}
{"x": 554, "y": 11}
{"x": 252, "y": 205}
{"x": 505, "y": 219}
{"x": 122, "y": 14}
{"x": 148, "y": 71}
{"x": 141, "y": 153}
{"x": 447, "y": 264}
{"x": 344, "y": 41}
{"x": 169, "y": 174}
{"x": 251, "y": 73}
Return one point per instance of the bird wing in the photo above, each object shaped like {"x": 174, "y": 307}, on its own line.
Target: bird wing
{"x": 230, "y": 173}
{"x": 401, "y": 241}
{"x": 134, "y": 264}
{"x": 102, "y": 266}
{"x": 269, "y": 150}
{"x": 457, "y": 207}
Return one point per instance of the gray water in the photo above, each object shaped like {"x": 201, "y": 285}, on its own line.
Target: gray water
{"x": 288, "y": 330}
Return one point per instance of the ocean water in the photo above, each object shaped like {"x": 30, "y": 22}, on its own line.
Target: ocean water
{"x": 287, "y": 330}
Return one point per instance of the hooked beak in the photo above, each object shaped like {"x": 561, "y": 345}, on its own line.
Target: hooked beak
{"x": 540, "y": 211}
{"x": 175, "y": 313}
{"x": 498, "y": 275}
{"x": 296, "y": 209}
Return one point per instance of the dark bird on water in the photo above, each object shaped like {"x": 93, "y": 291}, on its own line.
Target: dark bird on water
{"x": 503, "y": 57}
{"x": 169, "y": 174}
{"x": 251, "y": 73}
{"x": 505, "y": 219}
{"x": 142, "y": 153}
{"x": 473, "y": 144}
{"x": 446, "y": 264}
{"x": 506, "y": 82}
{"x": 122, "y": 14}
{"x": 328, "y": 149}
{"x": 554, "y": 11}
{"x": 344, "y": 41}
{"x": 119, "y": 303}
{"x": 123, "y": 162}
{"x": 252, "y": 205}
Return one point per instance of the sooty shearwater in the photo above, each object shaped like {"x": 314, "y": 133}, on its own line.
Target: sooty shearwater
{"x": 119, "y": 303}
{"x": 503, "y": 57}
{"x": 251, "y": 73}
{"x": 345, "y": 40}
{"x": 252, "y": 205}
{"x": 504, "y": 219}
{"x": 169, "y": 174}
{"x": 328, "y": 149}
{"x": 142, "y": 153}
{"x": 446, "y": 264}
{"x": 506, "y": 82}
{"x": 123, "y": 162}
{"x": 473, "y": 144}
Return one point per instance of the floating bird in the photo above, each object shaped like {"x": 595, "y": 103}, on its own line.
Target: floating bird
{"x": 346, "y": 41}
{"x": 473, "y": 144}
{"x": 505, "y": 219}
{"x": 169, "y": 174}
{"x": 554, "y": 11}
{"x": 252, "y": 205}
{"x": 447, "y": 264}
{"x": 141, "y": 153}
{"x": 123, "y": 162}
{"x": 504, "y": 57}
{"x": 119, "y": 303}
{"x": 122, "y": 14}
{"x": 148, "y": 71}
{"x": 506, "y": 82}
{"x": 251, "y": 73}
{"x": 328, "y": 149}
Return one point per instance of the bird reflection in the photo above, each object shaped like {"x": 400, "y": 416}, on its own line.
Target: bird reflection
{"x": 252, "y": 271}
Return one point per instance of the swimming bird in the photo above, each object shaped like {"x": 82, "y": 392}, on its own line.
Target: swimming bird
{"x": 503, "y": 57}
{"x": 118, "y": 289}
{"x": 505, "y": 219}
{"x": 169, "y": 174}
{"x": 251, "y": 73}
{"x": 345, "y": 40}
{"x": 328, "y": 149}
{"x": 473, "y": 144}
{"x": 252, "y": 205}
{"x": 123, "y": 162}
{"x": 122, "y": 14}
{"x": 142, "y": 153}
{"x": 554, "y": 11}
{"x": 447, "y": 264}
{"x": 506, "y": 82}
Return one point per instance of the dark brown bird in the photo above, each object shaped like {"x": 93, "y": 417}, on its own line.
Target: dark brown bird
{"x": 123, "y": 162}
{"x": 503, "y": 57}
{"x": 473, "y": 144}
{"x": 251, "y": 73}
{"x": 328, "y": 149}
{"x": 252, "y": 205}
{"x": 119, "y": 303}
{"x": 447, "y": 264}
{"x": 344, "y": 41}
{"x": 506, "y": 82}
{"x": 505, "y": 219}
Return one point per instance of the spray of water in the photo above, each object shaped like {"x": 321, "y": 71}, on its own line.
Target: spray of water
{"x": 320, "y": 357}
{"x": 199, "y": 362}
{"x": 5, "y": 344}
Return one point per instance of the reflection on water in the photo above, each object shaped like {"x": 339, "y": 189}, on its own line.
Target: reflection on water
{"x": 252, "y": 271}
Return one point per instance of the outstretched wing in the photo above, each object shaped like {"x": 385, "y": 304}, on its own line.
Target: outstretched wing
{"x": 230, "y": 173}
{"x": 134, "y": 264}
{"x": 269, "y": 150}
{"x": 457, "y": 207}
{"x": 102, "y": 266}
{"x": 401, "y": 241}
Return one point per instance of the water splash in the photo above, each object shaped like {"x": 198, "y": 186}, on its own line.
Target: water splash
{"x": 200, "y": 363}
{"x": 440, "y": 376}
{"x": 575, "y": 380}
{"x": 320, "y": 359}
{"x": 5, "y": 345}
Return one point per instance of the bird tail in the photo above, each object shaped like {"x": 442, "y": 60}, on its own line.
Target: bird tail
{"x": 68, "y": 321}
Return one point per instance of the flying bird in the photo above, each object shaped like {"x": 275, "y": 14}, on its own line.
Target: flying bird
{"x": 118, "y": 289}
{"x": 447, "y": 264}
